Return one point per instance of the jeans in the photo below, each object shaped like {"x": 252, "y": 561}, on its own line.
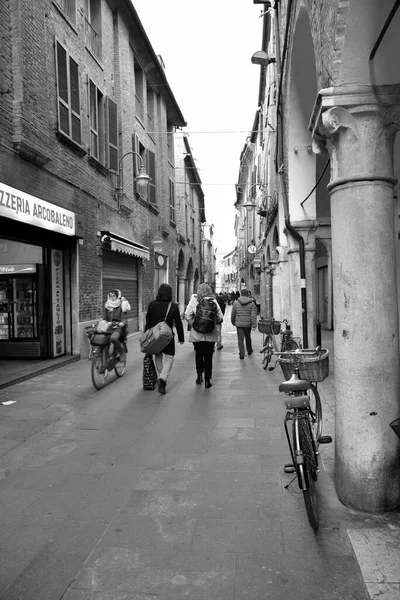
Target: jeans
{"x": 204, "y": 357}
{"x": 116, "y": 338}
{"x": 244, "y": 335}
{"x": 164, "y": 364}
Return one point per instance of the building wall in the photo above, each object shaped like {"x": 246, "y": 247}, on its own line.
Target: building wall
{"x": 37, "y": 160}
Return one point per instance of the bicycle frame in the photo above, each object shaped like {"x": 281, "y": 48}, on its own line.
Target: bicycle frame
{"x": 296, "y": 453}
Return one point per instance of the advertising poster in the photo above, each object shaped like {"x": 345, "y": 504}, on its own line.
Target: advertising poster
{"x": 57, "y": 294}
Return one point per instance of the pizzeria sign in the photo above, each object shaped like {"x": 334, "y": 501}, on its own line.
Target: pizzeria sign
{"x": 19, "y": 206}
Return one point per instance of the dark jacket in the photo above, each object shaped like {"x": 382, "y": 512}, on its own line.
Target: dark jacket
{"x": 156, "y": 312}
{"x": 116, "y": 314}
{"x": 244, "y": 313}
{"x": 219, "y": 298}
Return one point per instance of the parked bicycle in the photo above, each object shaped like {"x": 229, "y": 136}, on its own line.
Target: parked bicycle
{"x": 302, "y": 370}
{"x": 104, "y": 355}
{"x": 270, "y": 328}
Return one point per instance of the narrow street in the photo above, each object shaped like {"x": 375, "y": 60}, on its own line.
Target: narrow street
{"x": 125, "y": 494}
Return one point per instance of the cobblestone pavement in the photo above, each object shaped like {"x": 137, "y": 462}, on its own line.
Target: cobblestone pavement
{"x": 125, "y": 494}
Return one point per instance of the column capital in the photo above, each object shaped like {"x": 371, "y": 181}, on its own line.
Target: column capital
{"x": 357, "y": 126}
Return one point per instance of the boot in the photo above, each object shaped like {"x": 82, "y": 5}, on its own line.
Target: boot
{"x": 161, "y": 386}
{"x": 207, "y": 384}
{"x": 199, "y": 379}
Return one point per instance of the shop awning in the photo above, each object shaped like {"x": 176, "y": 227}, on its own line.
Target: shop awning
{"x": 127, "y": 246}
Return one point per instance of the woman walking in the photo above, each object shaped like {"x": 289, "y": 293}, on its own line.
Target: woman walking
{"x": 156, "y": 313}
{"x": 203, "y": 342}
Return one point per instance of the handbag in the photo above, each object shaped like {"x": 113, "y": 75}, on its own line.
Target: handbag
{"x": 155, "y": 339}
{"x": 149, "y": 373}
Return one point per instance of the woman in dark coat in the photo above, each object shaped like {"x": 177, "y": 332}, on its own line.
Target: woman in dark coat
{"x": 156, "y": 312}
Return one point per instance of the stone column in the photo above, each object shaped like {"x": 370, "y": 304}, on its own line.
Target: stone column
{"x": 181, "y": 292}
{"x": 360, "y": 136}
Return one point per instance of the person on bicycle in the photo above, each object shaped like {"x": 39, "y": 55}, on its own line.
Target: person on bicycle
{"x": 244, "y": 318}
{"x": 116, "y": 312}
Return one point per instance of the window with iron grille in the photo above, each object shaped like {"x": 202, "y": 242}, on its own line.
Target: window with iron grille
{"x": 68, "y": 95}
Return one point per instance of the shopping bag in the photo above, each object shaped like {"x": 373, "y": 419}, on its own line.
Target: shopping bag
{"x": 155, "y": 339}
{"x": 149, "y": 373}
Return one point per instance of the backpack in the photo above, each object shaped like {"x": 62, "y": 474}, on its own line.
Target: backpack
{"x": 205, "y": 317}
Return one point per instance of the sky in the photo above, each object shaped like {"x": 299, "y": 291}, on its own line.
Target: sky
{"x": 207, "y": 47}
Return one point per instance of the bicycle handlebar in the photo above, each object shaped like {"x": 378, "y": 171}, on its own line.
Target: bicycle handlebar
{"x": 308, "y": 351}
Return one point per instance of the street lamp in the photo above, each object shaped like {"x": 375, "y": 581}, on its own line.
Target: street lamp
{"x": 142, "y": 179}
{"x": 249, "y": 204}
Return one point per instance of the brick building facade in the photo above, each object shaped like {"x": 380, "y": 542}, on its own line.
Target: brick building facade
{"x": 84, "y": 103}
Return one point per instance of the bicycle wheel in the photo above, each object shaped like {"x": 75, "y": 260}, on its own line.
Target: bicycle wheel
{"x": 310, "y": 471}
{"x": 267, "y": 358}
{"x": 316, "y": 413}
{"x": 289, "y": 345}
{"x": 99, "y": 373}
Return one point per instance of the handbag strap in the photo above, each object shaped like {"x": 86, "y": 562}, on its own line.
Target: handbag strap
{"x": 169, "y": 306}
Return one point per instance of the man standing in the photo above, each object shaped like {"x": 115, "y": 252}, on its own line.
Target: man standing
{"x": 244, "y": 318}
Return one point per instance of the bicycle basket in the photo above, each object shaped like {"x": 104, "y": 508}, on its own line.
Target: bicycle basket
{"x": 311, "y": 368}
{"x": 99, "y": 339}
{"x": 90, "y": 330}
{"x": 269, "y": 326}
{"x": 395, "y": 425}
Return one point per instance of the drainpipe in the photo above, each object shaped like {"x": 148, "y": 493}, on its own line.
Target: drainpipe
{"x": 279, "y": 169}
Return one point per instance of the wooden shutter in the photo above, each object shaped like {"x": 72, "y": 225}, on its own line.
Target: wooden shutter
{"x": 151, "y": 171}
{"x": 68, "y": 102}
{"x": 112, "y": 135}
{"x": 62, "y": 89}
{"x": 93, "y": 121}
{"x": 75, "y": 102}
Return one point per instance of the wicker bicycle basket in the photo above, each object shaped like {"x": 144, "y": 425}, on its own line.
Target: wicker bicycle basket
{"x": 311, "y": 368}
{"x": 395, "y": 425}
{"x": 268, "y": 326}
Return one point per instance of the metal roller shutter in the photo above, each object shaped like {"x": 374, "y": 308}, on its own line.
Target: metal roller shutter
{"x": 121, "y": 272}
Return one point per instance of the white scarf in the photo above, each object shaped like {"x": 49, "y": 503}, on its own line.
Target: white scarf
{"x": 119, "y": 302}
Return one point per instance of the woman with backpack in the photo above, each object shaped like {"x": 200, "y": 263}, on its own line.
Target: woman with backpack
{"x": 203, "y": 314}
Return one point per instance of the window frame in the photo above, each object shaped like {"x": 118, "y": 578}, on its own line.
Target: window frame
{"x": 172, "y": 209}
{"x": 71, "y": 96}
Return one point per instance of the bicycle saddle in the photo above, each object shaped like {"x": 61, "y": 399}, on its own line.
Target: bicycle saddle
{"x": 294, "y": 384}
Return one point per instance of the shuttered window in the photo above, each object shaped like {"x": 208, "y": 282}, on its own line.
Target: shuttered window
{"x": 112, "y": 136}
{"x": 151, "y": 171}
{"x": 68, "y": 95}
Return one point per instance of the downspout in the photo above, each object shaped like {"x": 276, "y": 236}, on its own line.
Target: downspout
{"x": 279, "y": 164}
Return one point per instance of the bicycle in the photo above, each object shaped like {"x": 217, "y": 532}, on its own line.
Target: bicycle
{"x": 271, "y": 328}
{"x": 304, "y": 410}
{"x": 104, "y": 361}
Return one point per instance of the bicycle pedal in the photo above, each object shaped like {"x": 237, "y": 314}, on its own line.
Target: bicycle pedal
{"x": 325, "y": 439}
{"x": 289, "y": 468}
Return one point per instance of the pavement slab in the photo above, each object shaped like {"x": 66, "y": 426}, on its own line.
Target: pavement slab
{"x": 126, "y": 494}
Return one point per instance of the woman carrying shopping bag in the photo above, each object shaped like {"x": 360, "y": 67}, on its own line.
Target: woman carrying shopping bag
{"x": 156, "y": 312}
